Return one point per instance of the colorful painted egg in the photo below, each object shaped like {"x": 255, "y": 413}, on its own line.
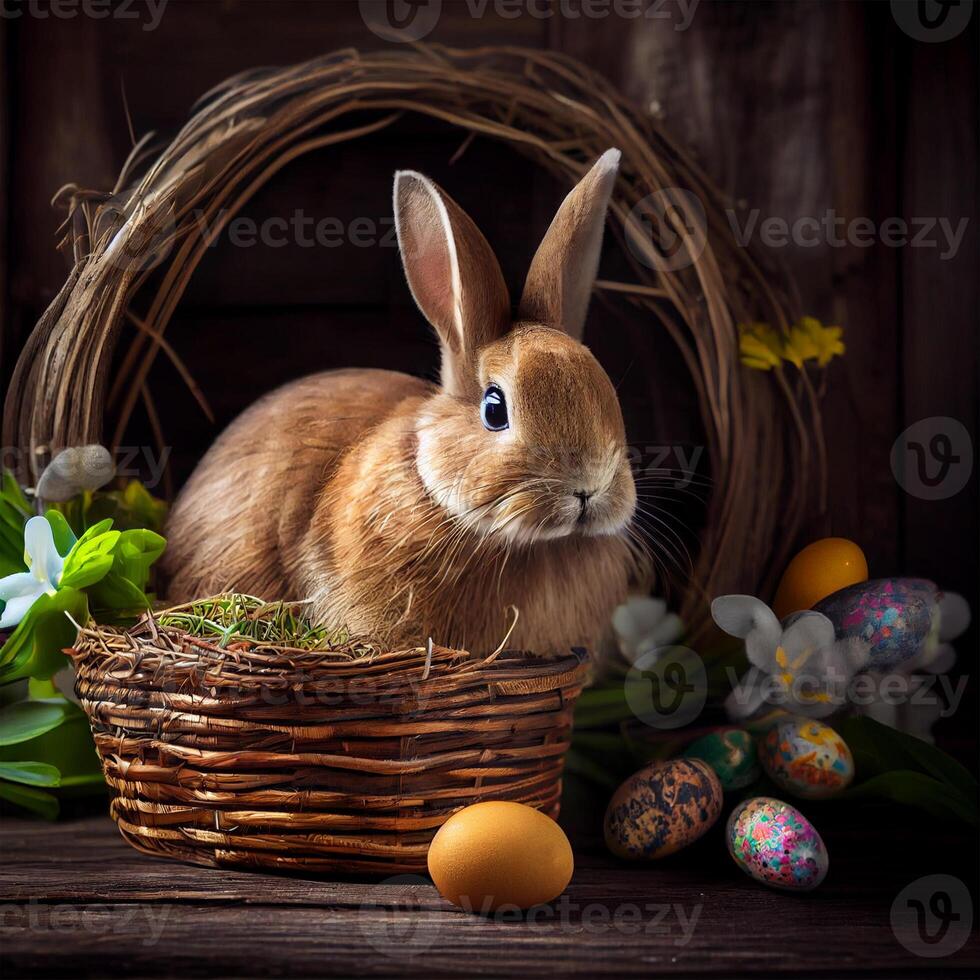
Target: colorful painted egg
{"x": 806, "y": 758}
{"x": 894, "y": 616}
{"x": 820, "y": 569}
{"x": 662, "y": 808}
{"x": 731, "y": 753}
{"x": 775, "y": 844}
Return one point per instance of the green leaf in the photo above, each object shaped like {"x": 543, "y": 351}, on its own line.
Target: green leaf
{"x": 90, "y": 560}
{"x": 119, "y": 596}
{"x": 918, "y": 790}
{"x": 38, "y": 690}
{"x": 28, "y": 719}
{"x": 34, "y": 649}
{"x": 115, "y": 599}
{"x": 68, "y": 748}
{"x": 11, "y": 494}
{"x": 130, "y": 508}
{"x": 14, "y": 512}
{"x": 30, "y": 773}
{"x": 11, "y": 693}
{"x": 135, "y": 552}
{"x": 75, "y": 511}
{"x": 84, "y": 779}
{"x": 878, "y": 749}
{"x": 140, "y": 509}
{"x": 100, "y": 527}
{"x": 11, "y": 549}
{"x": 64, "y": 536}
{"x": 36, "y": 800}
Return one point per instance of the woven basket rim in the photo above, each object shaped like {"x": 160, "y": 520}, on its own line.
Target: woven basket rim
{"x": 286, "y": 660}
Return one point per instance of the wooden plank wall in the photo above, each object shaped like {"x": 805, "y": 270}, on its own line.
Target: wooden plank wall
{"x": 796, "y": 109}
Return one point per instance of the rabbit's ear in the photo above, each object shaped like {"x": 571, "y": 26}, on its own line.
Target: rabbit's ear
{"x": 453, "y": 274}
{"x": 559, "y": 283}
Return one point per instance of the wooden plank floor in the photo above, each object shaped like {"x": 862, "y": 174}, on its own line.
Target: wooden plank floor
{"x": 75, "y": 900}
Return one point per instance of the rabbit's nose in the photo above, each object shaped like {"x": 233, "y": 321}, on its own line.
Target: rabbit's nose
{"x": 583, "y": 497}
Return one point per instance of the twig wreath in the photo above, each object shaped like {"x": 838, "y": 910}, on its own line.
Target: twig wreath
{"x": 764, "y": 431}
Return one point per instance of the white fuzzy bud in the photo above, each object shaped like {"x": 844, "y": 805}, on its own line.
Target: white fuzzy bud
{"x": 74, "y": 470}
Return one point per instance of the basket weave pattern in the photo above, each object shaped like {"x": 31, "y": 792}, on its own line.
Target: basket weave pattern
{"x": 278, "y": 758}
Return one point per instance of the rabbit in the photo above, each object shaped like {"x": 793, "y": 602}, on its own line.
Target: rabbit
{"x": 406, "y": 510}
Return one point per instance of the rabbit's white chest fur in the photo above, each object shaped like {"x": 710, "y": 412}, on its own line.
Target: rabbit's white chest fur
{"x": 393, "y": 560}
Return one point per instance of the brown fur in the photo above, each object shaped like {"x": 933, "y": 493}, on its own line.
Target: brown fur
{"x": 384, "y": 499}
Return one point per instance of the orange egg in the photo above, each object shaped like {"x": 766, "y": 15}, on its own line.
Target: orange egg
{"x": 817, "y": 571}
{"x": 497, "y": 854}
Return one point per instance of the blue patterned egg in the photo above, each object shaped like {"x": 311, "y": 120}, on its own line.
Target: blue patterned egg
{"x": 806, "y": 758}
{"x": 775, "y": 844}
{"x": 662, "y": 808}
{"x": 894, "y": 616}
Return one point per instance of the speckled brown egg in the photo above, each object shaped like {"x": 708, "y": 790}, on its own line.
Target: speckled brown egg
{"x": 662, "y": 808}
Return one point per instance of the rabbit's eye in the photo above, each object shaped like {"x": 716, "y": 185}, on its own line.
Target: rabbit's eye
{"x": 493, "y": 409}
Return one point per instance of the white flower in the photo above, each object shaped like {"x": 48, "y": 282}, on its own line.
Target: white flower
{"x": 642, "y": 624}
{"x": 20, "y": 590}
{"x": 803, "y": 666}
{"x": 937, "y": 655}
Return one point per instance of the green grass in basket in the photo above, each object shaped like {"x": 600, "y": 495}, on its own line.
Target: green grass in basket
{"x": 234, "y": 616}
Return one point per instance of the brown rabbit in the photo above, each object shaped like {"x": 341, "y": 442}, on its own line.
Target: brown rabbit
{"x": 406, "y": 510}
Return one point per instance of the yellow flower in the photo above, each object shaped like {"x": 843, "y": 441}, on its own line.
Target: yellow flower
{"x": 826, "y": 341}
{"x": 799, "y": 345}
{"x": 760, "y": 346}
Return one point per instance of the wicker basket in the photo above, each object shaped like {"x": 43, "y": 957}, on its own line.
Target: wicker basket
{"x": 323, "y": 761}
